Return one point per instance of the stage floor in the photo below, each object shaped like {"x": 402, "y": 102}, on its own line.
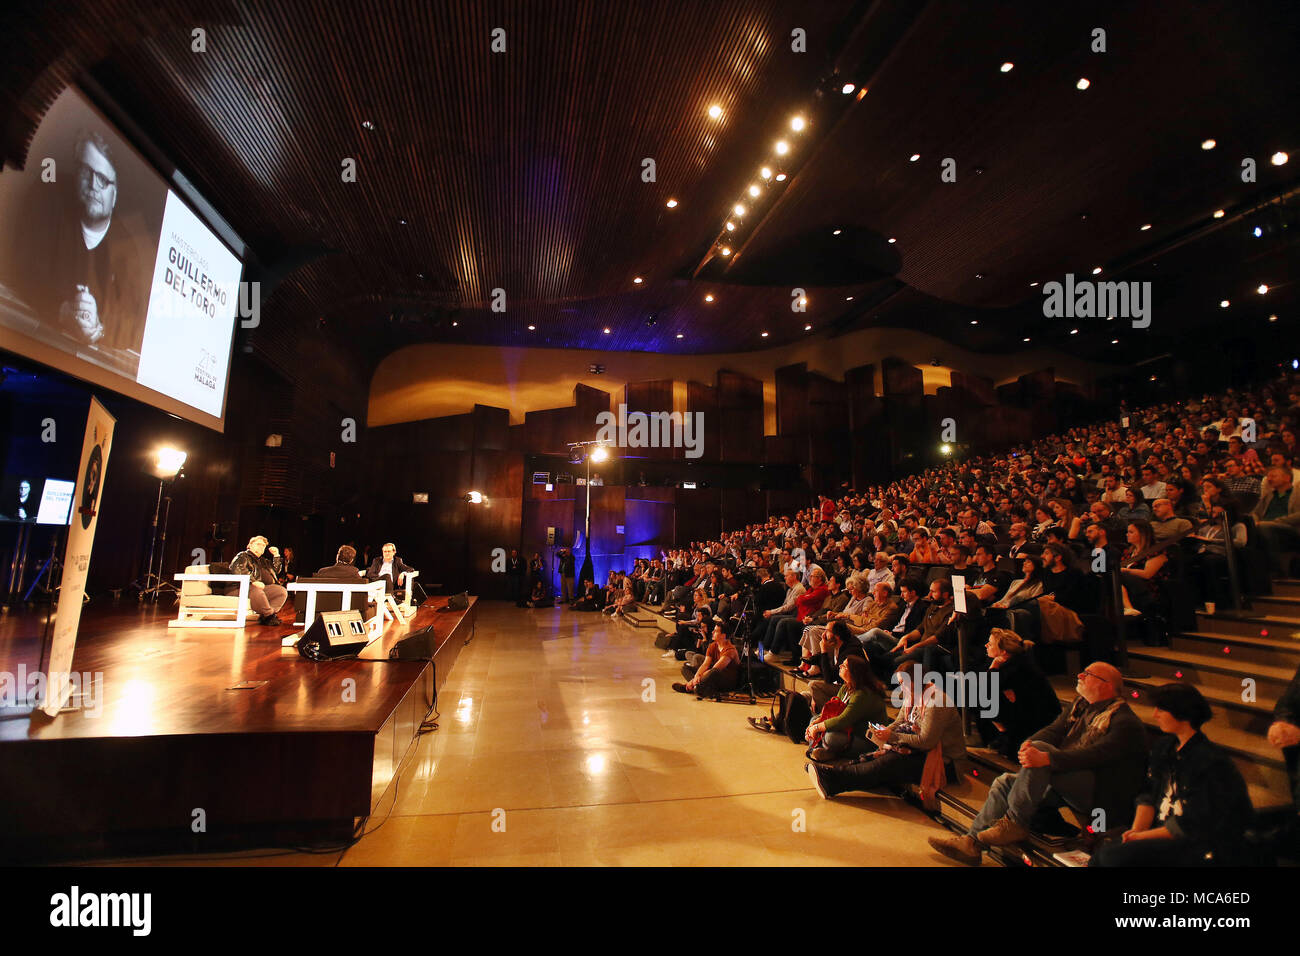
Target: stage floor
{"x": 544, "y": 731}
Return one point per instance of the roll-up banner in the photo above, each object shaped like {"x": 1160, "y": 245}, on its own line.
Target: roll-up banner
{"x": 76, "y": 557}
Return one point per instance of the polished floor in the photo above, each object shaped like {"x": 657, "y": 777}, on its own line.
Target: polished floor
{"x": 561, "y": 743}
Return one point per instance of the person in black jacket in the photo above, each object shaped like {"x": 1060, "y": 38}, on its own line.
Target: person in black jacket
{"x": 1284, "y": 732}
{"x": 1196, "y": 806}
{"x": 515, "y": 569}
{"x": 266, "y": 597}
{"x": 389, "y": 567}
{"x": 1026, "y": 700}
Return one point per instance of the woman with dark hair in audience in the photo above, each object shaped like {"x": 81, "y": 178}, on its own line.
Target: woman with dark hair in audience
{"x": 1196, "y": 806}
{"x": 1026, "y": 701}
{"x": 536, "y": 569}
{"x": 1043, "y": 519}
{"x": 919, "y": 747}
{"x": 863, "y": 696}
{"x": 1143, "y": 569}
{"x": 1134, "y": 508}
{"x": 1024, "y": 589}
{"x": 538, "y": 598}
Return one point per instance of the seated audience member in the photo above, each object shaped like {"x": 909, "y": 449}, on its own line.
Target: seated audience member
{"x": 1165, "y": 525}
{"x": 933, "y": 642}
{"x": 692, "y": 636}
{"x": 1284, "y": 732}
{"x": 288, "y": 568}
{"x": 769, "y": 619}
{"x": 1020, "y": 543}
{"x": 880, "y": 642}
{"x": 1195, "y": 807}
{"x": 880, "y": 572}
{"x": 1091, "y": 757}
{"x": 838, "y": 645}
{"x": 1144, "y": 571}
{"x": 266, "y": 597}
{"x": 855, "y": 603}
{"x": 624, "y": 602}
{"x": 924, "y": 550}
{"x": 785, "y": 635}
{"x": 769, "y": 594}
{"x": 714, "y": 672}
{"x": 1133, "y": 508}
{"x": 1026, "y": 700}
{"x": 863, "y": 696}
{"x": 918, "y": 748}
{"x": 389, "y": 567}
{"x": 1277, "y": 514}
{"x": 590, "y": 598}
{"x": 538, "y": 597}
{"x": 1208, "y": 562}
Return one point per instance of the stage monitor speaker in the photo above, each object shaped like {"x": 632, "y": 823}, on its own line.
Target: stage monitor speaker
{"x": 457, "y": 602}
{"x": 551, "y": 535}
{"x": 334, "y": 634}
{"x": 418, "y": 647}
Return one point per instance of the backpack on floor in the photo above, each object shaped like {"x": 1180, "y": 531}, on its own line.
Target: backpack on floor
{"x": 790, "y": 714}
{"x": 664, "y": 639}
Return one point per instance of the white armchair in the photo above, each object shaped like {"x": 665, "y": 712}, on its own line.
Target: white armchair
{"x": 198, "y": 606}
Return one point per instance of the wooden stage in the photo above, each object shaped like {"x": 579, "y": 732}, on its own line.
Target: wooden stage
{"x": 296, "y": 757}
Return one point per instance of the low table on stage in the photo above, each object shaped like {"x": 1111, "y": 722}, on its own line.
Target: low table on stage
{"x": 374, "y": 590}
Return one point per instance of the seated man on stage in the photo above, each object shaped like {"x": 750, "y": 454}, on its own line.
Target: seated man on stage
{"x": 266, "y": 597}
{"x": 342, "y": 569}
{"x": 389, "y": 567}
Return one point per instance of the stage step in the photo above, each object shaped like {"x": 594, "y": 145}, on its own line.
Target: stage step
{"x": 1281, "y": 605}
{"x": 1287, "y": 587}
{"x": 1250, "y": 623}
{"x": 1277, "y": 649}
{"x": 1212, "y": 670}
{"x": 642, "y": 618}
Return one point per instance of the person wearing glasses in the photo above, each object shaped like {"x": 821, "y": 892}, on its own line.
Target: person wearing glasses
{"x": 1093, "y": 758}
{"x": 93, "y": 287}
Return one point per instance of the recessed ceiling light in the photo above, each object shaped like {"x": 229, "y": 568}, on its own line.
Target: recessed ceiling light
{"x": 979, "y": 275}
{"x": 807, "y": 328}
{"x": 1257, "y": 232}
{"x": 847, "y": 88}
{"x": 454, "y": 324}
{"x": 780, "y": 177}
{"x": 1097, "y": 271}
{"x": 709, "y": 297}
{"x": 782, "y": 147}
{"x": 1272, "y": 318}
{"x": 680, "y": 335}
{"x": 892, "y": 240}
{"x": 764, "y": 334}
{"x": 848, "y": 298}
{"x": 974, "y": 321}
{"x": 1279, "y": 158}
{"x": 797, "y": 124}
{"x": 914, "y": 157}
{"x": 605, "y": 330}
{"x": 638, "y": 280}
{"x": 1224, "y": 303}
{"x": 366, "y": 124}
{"x": 1144, "y": 228}
{"x": 731, "y": 226}
{"x": 738, "y": 209}
{"x": 1008, "y": 67}
{"x": 725, "y": 250}
{"x": 1261, "y": 289}
{"x": 766, "y": 172}
{"x": 1218, "y": 214}
{"x": 1026, "y": 338}
{"x": 754, "y": 191}
{"x": 715, "y": 111}
{"x": 1114, "y": 341}
{"x": 401, "y": 222}
{"x": 1074, "y": 331}
{"x": 1032, "y": 284}
{"x": 1083, "y": 83}
{"x": 1208, "y": 144}
{"x": 532, "y": 328}
{"x": 672, "y": 204}
{"x": 837, "y": 232}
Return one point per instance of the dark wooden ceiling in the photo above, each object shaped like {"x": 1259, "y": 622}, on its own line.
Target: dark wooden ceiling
{"x": 522, "y": 170}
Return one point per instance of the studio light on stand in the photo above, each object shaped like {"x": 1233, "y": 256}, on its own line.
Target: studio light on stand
{"x": 588, "y": 451}
{"x": 167, "y": 464}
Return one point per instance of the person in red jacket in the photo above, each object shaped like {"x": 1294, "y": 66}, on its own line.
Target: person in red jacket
{"x": 788, "y": 630}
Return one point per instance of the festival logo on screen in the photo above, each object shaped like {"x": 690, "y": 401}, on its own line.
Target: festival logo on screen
{"x": 191, "y": 312}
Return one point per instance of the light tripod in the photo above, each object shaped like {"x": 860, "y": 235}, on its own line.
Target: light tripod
{"x": 153, "y": 584}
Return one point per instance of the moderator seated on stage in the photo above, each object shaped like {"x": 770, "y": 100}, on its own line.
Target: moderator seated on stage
{"x": 343, "y": 571}
{"x": 389, "y": 567}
